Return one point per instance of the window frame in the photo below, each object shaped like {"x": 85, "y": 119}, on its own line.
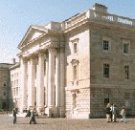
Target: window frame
{"x": 126, "y": 72}
{"x": 125, "y": 43}
{"x": 106, "y": 41}
{"x": 106, "y": 70}
{"x": 74, "y": 46}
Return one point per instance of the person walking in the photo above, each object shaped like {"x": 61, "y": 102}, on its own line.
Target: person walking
{"x": 32, "y": 117}
{"x": 114, "y": 112}
{"x": 108, "y": 112}
{"x": 14, "y": 115}
{"x": 123, "y": 114}
{"x": 28, "y": 113}
{"x": 111, "y": 112}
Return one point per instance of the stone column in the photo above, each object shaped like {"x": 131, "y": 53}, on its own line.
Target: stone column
{"x": 46, "y": 81}
{"x": 51, "y": 81}
{"x": 23, "y": 78}
{"x": 40, "y": 87}
{"x": 31, "y": 83}
{"x": 62, "y": 82}
{"x": 57, "y": 81}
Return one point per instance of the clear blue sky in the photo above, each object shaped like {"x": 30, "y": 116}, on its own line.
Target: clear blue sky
{"x": 17, "y": 15}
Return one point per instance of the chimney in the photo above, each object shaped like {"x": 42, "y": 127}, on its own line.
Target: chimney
{"x": 100, "y": 8}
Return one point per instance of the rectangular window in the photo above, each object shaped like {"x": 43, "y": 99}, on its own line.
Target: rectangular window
{"x": 75, "y": 47}
{"x": 105, "y": 45}
{"x": 126, "y": 48}
{"x": 106, "y": 69}
{"x": 74, "y": 72}
{"x": 126, "y": 69}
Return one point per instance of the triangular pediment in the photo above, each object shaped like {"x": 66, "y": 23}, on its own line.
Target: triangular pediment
{"x": 33, "y": 33}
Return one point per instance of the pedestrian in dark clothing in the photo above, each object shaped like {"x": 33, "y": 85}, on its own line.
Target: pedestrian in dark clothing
{"x": 28, "y": 113}
{"x": 14, "y": 115}
{"x": 32, "y": 117}
{"x": 111, "y": 117}
{"x": 108, "y": 111}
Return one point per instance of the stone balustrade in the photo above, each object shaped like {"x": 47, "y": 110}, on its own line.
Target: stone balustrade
{"x": 111, "y": 18}
{"x": 74, "y": 20}
{"x": 98, "y": 16}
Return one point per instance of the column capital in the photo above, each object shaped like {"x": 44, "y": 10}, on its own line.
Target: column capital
{"x": 25, "y": 60}
{"x": 33, "y": 60}
{"x": 41, "y": 54}
{"x": 51, "y": 50}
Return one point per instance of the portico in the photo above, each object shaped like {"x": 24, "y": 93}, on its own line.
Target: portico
{"x": 41, "y": 82}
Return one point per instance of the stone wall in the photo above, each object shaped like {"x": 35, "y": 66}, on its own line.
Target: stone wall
{"x": 120, "y": 97}
{"x": 117, "y": 88}
{"x": 77, "y": 90}
{"x": 5, "y": 90}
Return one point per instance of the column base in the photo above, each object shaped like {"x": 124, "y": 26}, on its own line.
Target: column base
{"x": 62, "y": 111}
{"x": 52, "y": 112}
{"x": 40, "y": 110}
{"x": 23, "y": 109}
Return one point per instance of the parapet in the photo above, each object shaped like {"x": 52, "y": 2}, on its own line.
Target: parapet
{"x": 99, "y": 8}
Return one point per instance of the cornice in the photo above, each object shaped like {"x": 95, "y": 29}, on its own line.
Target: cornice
{"x": 112, "y": 25}
{"x": 77, "y": 25}
{"x": 32, "y": 41}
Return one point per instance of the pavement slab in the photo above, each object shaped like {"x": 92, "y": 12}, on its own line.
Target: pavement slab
{"x": 6, "y": 123}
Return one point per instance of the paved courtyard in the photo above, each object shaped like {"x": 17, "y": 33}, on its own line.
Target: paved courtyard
{"x": 64, "y": 124}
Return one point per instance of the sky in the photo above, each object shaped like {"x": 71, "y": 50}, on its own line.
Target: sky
{"x": 17, "y": 15}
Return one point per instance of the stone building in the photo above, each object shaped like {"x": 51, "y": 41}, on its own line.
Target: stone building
{"x": 5, "y": 91}
{"x": 77, "y": 66}
{"x": 15, "y": 84}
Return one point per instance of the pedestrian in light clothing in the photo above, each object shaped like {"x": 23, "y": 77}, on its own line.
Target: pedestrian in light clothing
{"x": 108, "y": 112}
{"x": 32, "y": 117}
{"x": 114, "y": 112}
{"x": 14, "y": 115}
{"x": 123, "y": 114}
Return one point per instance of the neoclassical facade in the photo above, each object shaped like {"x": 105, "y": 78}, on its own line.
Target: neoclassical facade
{"x": 75, "y": 67}
{"x": 15, "y": 84}
{"x": 42, "y": 70}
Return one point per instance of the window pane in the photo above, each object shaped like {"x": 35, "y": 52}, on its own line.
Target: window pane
{"x": 126, "y": 69}
{"x": 75, "y": 47}
{"x": 106, "y": 70}
{"x": 105, "y": 45}
{"x": 75, "y": 72}
{"x": 126, "y": 48}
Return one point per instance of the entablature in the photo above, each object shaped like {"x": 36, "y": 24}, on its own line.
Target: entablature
{"x": 34, "y": 50}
